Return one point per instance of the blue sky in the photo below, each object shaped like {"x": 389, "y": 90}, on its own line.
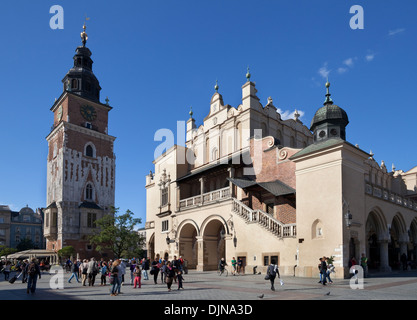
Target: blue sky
{"x": 155, "y": 59}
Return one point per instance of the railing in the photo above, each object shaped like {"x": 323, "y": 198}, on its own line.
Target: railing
{"x": 387, "y": 195}
{"x": 206, "y": 198}
{"x": 265, "y": 220}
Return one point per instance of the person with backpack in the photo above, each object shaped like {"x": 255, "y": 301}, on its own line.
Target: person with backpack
{"x": 33, "y": 271}
{"x": 74, "y": 270}
{"x": 273, "y": 271}
{"x": 92, "y": 271}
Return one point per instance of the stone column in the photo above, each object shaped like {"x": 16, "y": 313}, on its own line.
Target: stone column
{"x": 202, "y": 180}
{"x": 383, "y": 253}
{"x": 200, "y": 257}
{"x": 178, "y": 196}
{"x": 231, "y": 175}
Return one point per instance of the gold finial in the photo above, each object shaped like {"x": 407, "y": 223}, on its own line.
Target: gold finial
{"x": 84, "y": 36}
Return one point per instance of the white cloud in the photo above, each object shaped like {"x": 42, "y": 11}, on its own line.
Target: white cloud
{"x": 349, "y": 62}
{"x": 324, "y": 71}
{"x": 342, "y": 70}
{"x": 287, "y": 114}
{"x": 396, "y": 31}
{"x": 370, "y": 57}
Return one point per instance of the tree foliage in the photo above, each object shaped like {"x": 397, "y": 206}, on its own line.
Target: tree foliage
{"x": 116, "y": 233}
{"x": 66, "y": 252}
{"x": 5, "y": 251}
{"x": 25, "y": 244}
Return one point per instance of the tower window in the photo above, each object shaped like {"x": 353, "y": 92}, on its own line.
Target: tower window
{"x": 91, "y": 220}
{"x": 90, "y": 150}
{"x": 74, "y": 84}
{"x": 89, "y": 192}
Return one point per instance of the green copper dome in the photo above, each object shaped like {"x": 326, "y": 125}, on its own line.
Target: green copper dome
{"x": 329, "y": 113}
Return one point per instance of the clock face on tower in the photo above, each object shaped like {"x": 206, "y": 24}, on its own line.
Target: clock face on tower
{"x": 88, "y": 112}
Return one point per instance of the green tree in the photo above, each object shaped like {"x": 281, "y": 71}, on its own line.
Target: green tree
{"x": 25, "y": 244}
{"x": 66, "y": 252}
{"x": 116, "y": 233}
{"x": 5, "y": 251}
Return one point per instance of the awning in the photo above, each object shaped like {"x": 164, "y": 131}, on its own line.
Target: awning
{"x": 30, "y": 253}
{"x": 277, "y": 187}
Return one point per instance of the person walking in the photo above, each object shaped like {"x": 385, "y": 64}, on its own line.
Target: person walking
{"x": 273, "y": 272}
{"x": 132, "y": 270}
{"x": 176, "y": 265}
{"x": 163, "y": 271}
{"x": 234, "y": 264}
{"x": 7, "y": 270}
{"x": 323, "y": 270}
{"x": 114, "y": 278}
{"x": 145, "y": 268}
{"x": 364, "y": 265}
{"x": 155, "y": 270}
{"x": 170, "y": 273}
{"x": 84, "y": 269}
{"x": 74, "y": 272}
{"x": 330, "y": 268}
{"x": 180, "y": 279}
{"x": 92, "y": 271}
{"x": 33, "y": 271}
{"x": 137, "y": 274}
{"x": 24, "y": 273}
{"x": 239, "y": 265}
{"x": 103, "y": 272}
{"x": 122, "y": 267}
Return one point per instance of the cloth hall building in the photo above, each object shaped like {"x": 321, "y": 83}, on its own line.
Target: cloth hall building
{"x": 250, "y": 185}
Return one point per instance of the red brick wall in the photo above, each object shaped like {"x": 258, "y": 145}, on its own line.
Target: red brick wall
{"x": 273, "y": 164}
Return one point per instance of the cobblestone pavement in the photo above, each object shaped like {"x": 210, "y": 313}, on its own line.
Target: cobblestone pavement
{"x": 210, "y": 286}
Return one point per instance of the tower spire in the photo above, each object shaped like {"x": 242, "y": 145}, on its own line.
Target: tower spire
{"x": 248, "y": 75}
{"x": 328, "y": 99}
{"x": 84, "y": 36}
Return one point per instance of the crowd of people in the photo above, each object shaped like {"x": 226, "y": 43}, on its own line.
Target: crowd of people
{"x": 113, "y": 272}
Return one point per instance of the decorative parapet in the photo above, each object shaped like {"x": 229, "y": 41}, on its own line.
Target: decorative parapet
{"x": 386, "y": 195}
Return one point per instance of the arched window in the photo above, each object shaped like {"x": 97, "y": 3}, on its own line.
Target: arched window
{"x": 90, "y": 150}
{"x": 89, "y": 192}
{"x": 214, "y": 154}
{"x": 317, "y": 230}
{"x": 74, "y": 84}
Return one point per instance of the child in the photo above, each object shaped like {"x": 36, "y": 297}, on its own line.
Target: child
{"x": 137, "y": 273}
{"x": 180, "y": 280}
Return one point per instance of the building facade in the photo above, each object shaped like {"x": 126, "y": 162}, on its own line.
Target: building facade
{"x": 250, "y": 185}
{"x": 16, "y": 226}
{"x": 81, "y": 161}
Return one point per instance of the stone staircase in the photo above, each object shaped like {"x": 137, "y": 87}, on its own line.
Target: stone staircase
{"x": 264, "y": 220}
